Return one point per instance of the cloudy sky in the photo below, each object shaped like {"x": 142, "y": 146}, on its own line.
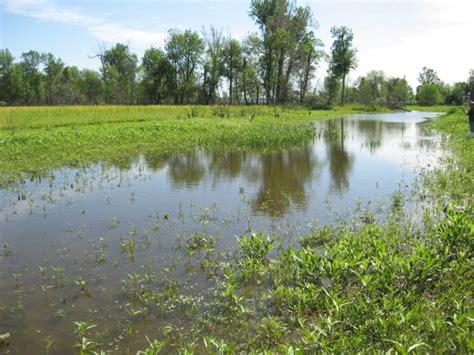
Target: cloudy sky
{"x": 396, "y": 36}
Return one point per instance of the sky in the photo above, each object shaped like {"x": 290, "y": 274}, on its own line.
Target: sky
{"x": 399, "y": 37}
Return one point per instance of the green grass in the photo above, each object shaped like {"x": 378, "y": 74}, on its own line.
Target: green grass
{"x": 57, "y": 116}
{"x": 35, "y": 140}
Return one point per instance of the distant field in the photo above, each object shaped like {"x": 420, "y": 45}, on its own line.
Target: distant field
{"x": 53, "y": 116}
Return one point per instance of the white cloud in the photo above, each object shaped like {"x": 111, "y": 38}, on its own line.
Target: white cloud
{"x": 442, "y": 41}
{"x": 103, "y": 29}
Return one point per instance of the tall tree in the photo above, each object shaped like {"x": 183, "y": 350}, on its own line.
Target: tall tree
{"x": 53, "y": 69}
{"x": 263, "y": 12}
{"x": 184, "y": 50}
{"x": 32, "y": 76}
{"x": 250, "y": 78}
{"x": 331, "y": 87}
{"x": 428, "y": 76}
{"x": 470, "y": 83}
{"x": 371, "y": 89}
{"x": 309, "y": 55}
{"x": 213, "y": 64}
{"x": 233, "y": 63}
{"x": 284, "y": 27}
{"x": 91, "y": 86}
{"x": 121, "y": 67}
{"x": 158, "y": 78}
{"x": 343, "y": 55}
{"x": 399, "y": 93}
{"x": 7, "y": 93}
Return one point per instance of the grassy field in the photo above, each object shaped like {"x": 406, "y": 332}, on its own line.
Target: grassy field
{"x": 35, "y": 140}
{"x": 12, "y": 118}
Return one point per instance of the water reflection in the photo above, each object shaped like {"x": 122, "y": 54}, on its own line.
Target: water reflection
{"x": 340, "y": 160}
{"x": 281, "y": 180}
{"x": 284, "y": 177}
{"x": 346, "y": 159}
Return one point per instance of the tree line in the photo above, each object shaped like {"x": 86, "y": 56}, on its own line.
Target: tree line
{"x": 276, "y": 65}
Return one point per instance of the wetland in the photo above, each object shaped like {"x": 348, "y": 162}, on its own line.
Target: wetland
{"x": 283, "y": 230}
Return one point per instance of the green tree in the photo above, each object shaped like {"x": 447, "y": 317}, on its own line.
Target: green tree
{"x": 456, "y": 94}
{"x": 470, "y": 84}
{"x": 233, "y": 65}
{"x": 70, "y": 87}
{"x": 53, "y": 70}
{"x": 121, "y": 67}
{"x": 331, "y": 87}
{"x": 184, "y": 51}
{"x": 428, "y": 76}
{"x": 32, "y": 77}
{"x": 284, "y": 27}
{"x": 399, "y": 93}
{"x": 91, "y": 86}
{"x": 7, "y": 91}
{"x": 158, "y": 79}
{"x": 429, "y": 95}
{"x": 372, "y": 88}
{"x": 343, "y": 55}
{"x": 308, "y": 57}
{"x": 213, "y": 66}
{"x": 251, "y": 84}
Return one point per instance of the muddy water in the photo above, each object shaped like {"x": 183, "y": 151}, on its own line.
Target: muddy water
{"x": 78, "y": 225}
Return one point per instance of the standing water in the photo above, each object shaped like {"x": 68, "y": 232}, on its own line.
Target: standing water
{"x": 72, "y": 244}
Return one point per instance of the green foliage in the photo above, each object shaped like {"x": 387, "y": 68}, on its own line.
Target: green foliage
{"x": 184, "y": 50}
{"x": 428, "y": 76}
{"x": 429, "y": 95}
{"x": 343, "y": 56}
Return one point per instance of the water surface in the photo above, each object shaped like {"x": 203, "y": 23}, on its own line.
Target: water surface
{"x": 79, "y": 221}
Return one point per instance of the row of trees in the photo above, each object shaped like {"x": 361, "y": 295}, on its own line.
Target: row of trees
{"x": 277, "y": 65}
{"x": 375, "y": 88}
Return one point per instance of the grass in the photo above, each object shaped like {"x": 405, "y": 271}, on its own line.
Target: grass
{"x": 35, "y": 140}
{"x": 12, "y": 118}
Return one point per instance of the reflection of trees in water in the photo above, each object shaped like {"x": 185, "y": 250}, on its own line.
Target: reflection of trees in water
{"x": 186, "y": 169}
{"x": 125, "y": 163}
{"x": 225, "y": 164}
{"x": 369, "y": 132}
{"x": 156, "y": 162}
{"x": 281, "y": 176}
{"x": 283, "y": 179}
{"x": 340, "y": 161}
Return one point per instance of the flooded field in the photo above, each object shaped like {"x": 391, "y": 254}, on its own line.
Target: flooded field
{"x": 78, "y": 247}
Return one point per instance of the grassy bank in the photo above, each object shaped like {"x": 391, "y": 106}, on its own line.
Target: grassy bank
{"x": 35, "y": 140}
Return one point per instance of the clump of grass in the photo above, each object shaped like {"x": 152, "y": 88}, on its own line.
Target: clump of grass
{"x": 200, "y": 241}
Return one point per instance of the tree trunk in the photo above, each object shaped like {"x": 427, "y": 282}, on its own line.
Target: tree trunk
{"x": 343, "y": 88}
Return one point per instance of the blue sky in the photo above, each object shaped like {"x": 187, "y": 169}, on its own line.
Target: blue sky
{"x": 396, "y": 36}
